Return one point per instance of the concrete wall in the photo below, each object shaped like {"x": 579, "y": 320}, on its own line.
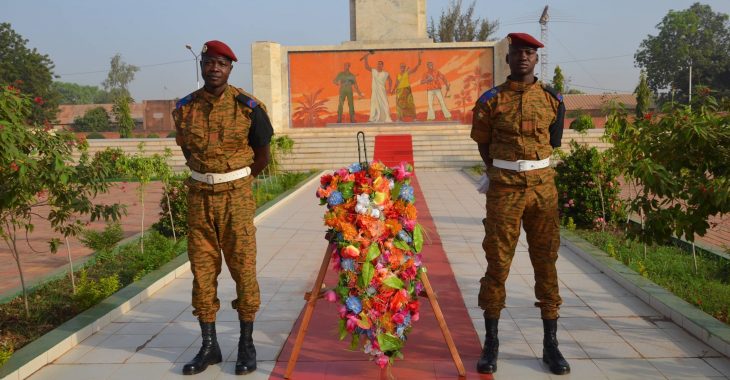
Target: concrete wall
{"x": 388, "y": 20}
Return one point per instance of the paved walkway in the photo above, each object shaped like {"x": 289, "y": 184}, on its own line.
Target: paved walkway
{"x": 606, "y": 333}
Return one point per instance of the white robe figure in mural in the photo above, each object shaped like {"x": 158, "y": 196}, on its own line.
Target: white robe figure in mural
{"x": 382, "y": 83}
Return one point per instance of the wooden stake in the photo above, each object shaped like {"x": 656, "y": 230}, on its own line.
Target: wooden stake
{"x": 309, "y": 309}
{"x": 442, "y": 324}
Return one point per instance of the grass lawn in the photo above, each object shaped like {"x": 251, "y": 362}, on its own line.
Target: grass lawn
{"x": 673, "y": 269}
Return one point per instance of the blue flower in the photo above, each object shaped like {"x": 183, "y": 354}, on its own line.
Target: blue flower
{"x": 348, "y": 264}
{"x": 403, "y": 235}
{"x": 400, "y": 330}
{"x": 353, "y": 304}
{"x": 335, "y": 199}
{"x": 406, "y": 193}
{"x": 354, "y": 168}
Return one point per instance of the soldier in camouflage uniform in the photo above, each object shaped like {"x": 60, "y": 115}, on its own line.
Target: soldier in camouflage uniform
{"x": 224, "y": 134}
{"x": 516, "y": 126}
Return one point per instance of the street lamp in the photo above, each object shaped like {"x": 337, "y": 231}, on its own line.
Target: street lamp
{"x": 197, "y": 77}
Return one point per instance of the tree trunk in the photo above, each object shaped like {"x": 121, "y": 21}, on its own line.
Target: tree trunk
{"x": 141, "y": 240}
{"x": 16, "y": 255}
{"x": 70, "y": 265}
{"x": 169, "y": 211}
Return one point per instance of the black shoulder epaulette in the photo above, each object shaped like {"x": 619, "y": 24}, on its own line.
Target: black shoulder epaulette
{"x": 247, "y": 101}
{"x": 184, "y": 101}
{"x": 554, "y": 93}
{"x": 488, "y": 95}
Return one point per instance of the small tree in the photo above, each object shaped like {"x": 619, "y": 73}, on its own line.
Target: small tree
{"x": 143, "y": 169}
{"x": 458, "y": 24}
{"x": 643, "y": 96}
{"x": 559, "y": 80}
{"x": 582, "y": 123}
{"x": 94, "y": 120}
{"x": 123, "y": 115}
{"x": 676, "y": 193}
{"x": 40, "y": 179}
{"x": 120, "y": 75}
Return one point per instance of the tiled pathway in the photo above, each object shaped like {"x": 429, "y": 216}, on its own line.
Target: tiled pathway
{"x": 606, "y": 332}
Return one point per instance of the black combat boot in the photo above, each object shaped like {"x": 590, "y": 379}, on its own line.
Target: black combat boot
{"x": 210, "y": 352}
{"x": 246, "y": 361}
{"x": 550, "y": 353}
{"x": 488, "y": 361}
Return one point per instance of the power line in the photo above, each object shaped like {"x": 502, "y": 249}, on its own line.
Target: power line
{"x": 596, "y": 59}
{"x": 571, "y": 84}
{"x": 141, "y": 67}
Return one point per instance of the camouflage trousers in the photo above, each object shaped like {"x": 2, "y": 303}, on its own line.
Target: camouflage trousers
{"x": 223, "y": 222}
{"x": 536, "y": 208}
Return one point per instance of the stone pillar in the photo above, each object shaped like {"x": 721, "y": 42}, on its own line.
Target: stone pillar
{"x": 388, "y": 20}
{"x": 501, "y": 68}
{"x": 266, "y": 79}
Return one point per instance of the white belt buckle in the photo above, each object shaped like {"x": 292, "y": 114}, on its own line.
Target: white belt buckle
{"x": 209, "y": 179}
{"x": 522, "y": 165}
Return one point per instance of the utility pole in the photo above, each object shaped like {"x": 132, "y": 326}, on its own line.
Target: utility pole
{"x": 690, "y": 83}
{"x": 197, "y": 77}
{"x": 544, "y": 18}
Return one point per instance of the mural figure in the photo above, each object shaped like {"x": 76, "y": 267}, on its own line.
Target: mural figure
{"x": 379, "y": 108}
{"x": 404, "y": 105}
{"x": 434, "y": 80}
{"x": 346, "y": 80}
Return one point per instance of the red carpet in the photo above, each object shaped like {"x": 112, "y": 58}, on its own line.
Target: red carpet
{"x": 393, "y": 149}
{"x": 324, "y": 356}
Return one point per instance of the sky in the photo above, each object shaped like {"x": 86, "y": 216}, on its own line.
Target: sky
{"x": 593, "y": 41}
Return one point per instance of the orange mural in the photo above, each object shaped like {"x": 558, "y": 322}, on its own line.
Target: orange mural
{"x": 387, "y": 86}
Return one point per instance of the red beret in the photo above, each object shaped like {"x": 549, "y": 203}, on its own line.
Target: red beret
{"x": 524, "y": 39}
{"x": 216, "y": 47}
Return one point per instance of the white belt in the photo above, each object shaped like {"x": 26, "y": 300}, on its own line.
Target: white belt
{"x": 214, "y": 178}
{"x": 521, "y": 165}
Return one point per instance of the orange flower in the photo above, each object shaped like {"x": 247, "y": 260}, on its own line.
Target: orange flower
{"x": 393, "y": 226}
{"x": 350, "y": 252}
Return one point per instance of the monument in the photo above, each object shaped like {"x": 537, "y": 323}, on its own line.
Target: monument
{"x": 389, "y": 72}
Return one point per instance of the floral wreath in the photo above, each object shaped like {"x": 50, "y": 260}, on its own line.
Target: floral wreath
{"x": 372, "y": 224}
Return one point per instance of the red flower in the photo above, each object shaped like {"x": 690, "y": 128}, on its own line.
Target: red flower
{"x": 647, "y": 116}
{"x": 38, "y": 100}
{"x": 325, "y": 179}
{"x": 14, "y": 167}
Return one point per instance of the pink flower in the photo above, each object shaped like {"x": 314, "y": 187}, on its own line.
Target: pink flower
{"x": 342, "y": 311}
{"x": 565, "y": 205}
{"x": 415, "y": 316}
{"x": 409, "y": 225}
{"x": 382, "y": 361}
{"x": 351, "y": 322}
{"x": 330, "y": 296}
{"x": 401, "y": 172}
{"x": 343, "y": 172}
{"x": 398, "y": 318}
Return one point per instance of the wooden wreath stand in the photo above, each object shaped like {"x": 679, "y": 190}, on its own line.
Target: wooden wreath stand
{"x": 317, "y": 289}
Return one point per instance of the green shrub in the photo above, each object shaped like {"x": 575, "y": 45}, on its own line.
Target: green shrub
{"x": 109, "y": 157}
{"x": 6, "y": 351}
{"x": 153, "y": 136}
{"x": 95, "y": 135}
{"x": 94, "y": 120}
{"x": 178, "y": 194}
{"x": 172, "y": 134}
{"x": 105, "y": 240}
{"x": 587, "y": 188}
{"x": 582, "y": 123}
{"x": 90, "y": 292}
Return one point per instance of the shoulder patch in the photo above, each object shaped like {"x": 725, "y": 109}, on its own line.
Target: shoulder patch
{"x": 184, "y": 101}
{"x": 488, "y": 95}
{"x": 247, "y": 101}
{"x": 554, "y": 93}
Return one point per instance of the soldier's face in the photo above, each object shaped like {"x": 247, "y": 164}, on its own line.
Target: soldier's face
{"x": 522, "y": 60}
{"x": 216, "y": 70}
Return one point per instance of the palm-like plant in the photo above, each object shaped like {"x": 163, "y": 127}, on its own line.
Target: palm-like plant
{"x": 310, "y": 108}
